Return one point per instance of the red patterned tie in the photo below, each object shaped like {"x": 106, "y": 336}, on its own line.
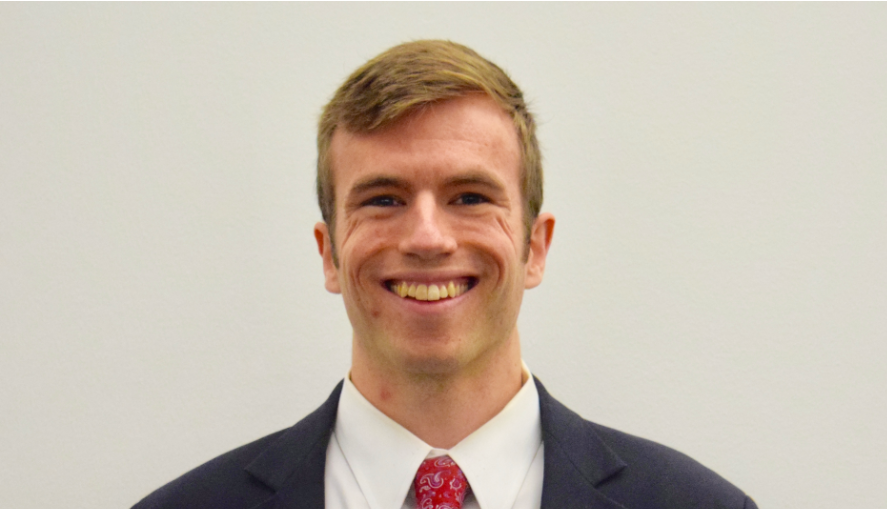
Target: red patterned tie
{"x": 440, "y": 484}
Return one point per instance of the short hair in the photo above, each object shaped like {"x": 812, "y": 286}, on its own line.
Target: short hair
{"x": 412, "y": 75}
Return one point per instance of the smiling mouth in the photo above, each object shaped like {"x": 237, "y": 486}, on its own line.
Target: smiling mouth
{"x": 431, "y": 291}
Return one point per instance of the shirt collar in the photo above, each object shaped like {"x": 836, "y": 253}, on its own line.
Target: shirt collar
{"x": 384, "y": 456}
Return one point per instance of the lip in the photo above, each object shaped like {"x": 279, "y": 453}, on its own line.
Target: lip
{"x": 429, "y": 276}
{"x": 426, "y": 278}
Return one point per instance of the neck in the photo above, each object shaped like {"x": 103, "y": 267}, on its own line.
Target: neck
{"x": 442, "y": 408}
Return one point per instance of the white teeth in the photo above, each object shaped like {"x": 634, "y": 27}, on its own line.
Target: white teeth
{"x": 431, "y": 292}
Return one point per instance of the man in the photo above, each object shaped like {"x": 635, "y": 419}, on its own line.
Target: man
{"x": 430, "y": 187}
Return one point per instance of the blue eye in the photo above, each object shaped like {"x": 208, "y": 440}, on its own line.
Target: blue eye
{"x": 471, "y": 199}
{"x": 382, "y": 201}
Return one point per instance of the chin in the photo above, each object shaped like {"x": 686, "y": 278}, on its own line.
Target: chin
{"x": 430, "y": 360}
{"x": 441, "y": 362}
{"x": 430, "y": 364}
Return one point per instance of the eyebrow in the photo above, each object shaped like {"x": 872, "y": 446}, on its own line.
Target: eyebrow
{"x": 476, "y": 178}
{"x": 371, "y": 183}
{"x": 469, "y": 178}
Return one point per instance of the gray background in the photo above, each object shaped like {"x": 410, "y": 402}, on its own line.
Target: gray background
{"x": 717, "y": 280}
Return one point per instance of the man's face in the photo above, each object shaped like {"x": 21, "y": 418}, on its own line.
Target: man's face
{"x": 430, "y": 239}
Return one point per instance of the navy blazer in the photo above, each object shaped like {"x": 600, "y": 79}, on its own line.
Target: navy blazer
{"x": 587, "y": 466}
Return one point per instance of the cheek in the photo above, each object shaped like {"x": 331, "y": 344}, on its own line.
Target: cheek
{"x": 508, "y": 229}
{"x": 497, "y": 239}
{"x": 359, "y": 257}
{"x": 501, "y": 234}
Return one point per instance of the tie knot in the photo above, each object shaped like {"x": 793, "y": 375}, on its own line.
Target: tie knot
{"x": 440, "y": 484}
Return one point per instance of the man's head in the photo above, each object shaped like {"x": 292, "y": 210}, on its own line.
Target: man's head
{"x": 430, "y": 237}
{"x": 409, "y": 77}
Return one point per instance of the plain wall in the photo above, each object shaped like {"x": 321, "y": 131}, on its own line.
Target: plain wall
{"x": 717, "y": 280}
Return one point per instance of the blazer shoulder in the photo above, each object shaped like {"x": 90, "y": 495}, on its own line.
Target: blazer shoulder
{"x": 670, "y": 477}
{"x": 253, "y": 473}
{"x": 221, "y": 483}
{"x": 632, "y": 471}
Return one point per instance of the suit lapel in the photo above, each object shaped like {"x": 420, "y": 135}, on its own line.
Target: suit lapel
{"x": 294, "y": 465}
{"x": 576, "y": 459}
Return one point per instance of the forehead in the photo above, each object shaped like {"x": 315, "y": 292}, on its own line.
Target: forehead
{"x": 467, "y": 134}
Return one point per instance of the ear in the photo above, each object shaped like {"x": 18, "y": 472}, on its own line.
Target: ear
{"x": 540, "y": 241}
{"x": 325, "y": 248}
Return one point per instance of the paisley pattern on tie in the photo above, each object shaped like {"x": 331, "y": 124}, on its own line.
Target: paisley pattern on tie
{"x": 440, "y": 484}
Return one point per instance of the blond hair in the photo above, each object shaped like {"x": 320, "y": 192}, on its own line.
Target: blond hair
{"x": 409, "y": 76}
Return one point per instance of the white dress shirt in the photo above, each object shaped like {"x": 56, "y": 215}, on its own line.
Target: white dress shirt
{"x": 371, "y": 460}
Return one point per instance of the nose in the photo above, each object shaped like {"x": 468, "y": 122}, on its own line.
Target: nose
{"x": 427, "y": 234}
